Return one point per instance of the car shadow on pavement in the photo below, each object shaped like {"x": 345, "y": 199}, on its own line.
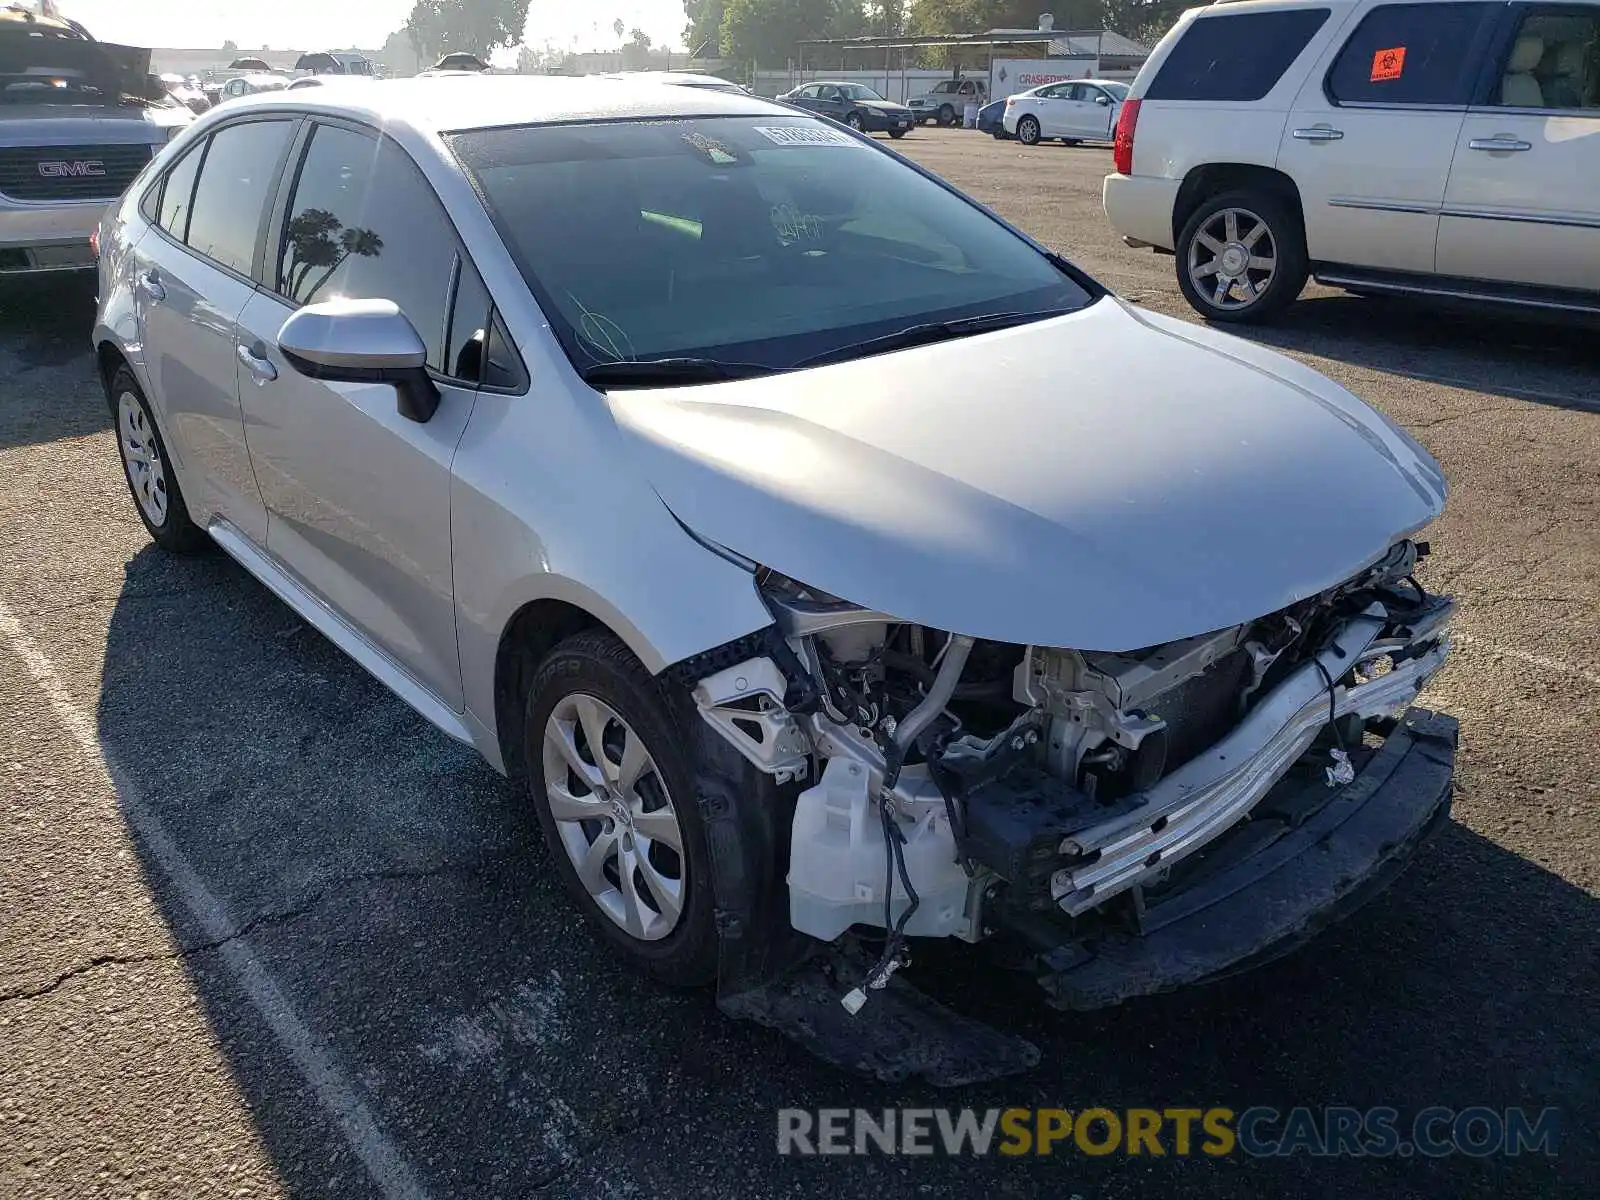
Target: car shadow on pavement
{"x": 1545, "y": 362}
{"x": 45, "y": 324}
{"x": 336, "y": 852}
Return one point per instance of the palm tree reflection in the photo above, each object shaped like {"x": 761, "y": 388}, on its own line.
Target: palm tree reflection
{"x": 318, "y": 241}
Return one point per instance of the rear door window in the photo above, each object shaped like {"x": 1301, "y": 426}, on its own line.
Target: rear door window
{"x": 239, "y": 173}
{"x": 1404, "y": 54}
{"x": 1235, "y": 56}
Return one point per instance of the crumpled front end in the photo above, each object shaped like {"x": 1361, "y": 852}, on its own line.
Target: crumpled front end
{"x": 1139, "y": 820}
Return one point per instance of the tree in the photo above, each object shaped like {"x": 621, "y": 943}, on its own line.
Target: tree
{"x": 636, "y": 51}
{"x": 436, "y": 27}
{"x": 617, "y": 27}
{"x": 703, "y": 35}
{"x": 771, "y": 31}
{"x": 230, "y": 46}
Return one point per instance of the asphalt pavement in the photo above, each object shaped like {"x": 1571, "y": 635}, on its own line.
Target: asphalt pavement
{"x": 263, "y": 932}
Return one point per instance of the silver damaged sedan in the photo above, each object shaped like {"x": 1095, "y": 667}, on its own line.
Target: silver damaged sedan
{"x": 832, "y": 564}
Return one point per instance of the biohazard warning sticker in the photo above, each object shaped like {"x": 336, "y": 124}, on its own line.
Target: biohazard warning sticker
{"x": 1388, "y": 64}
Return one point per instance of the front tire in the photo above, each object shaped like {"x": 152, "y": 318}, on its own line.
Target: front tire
{"x": 855, "y": 122}
{"x": 947, "y": 116}
{"x": 147, "y": 469}
{"x": 606, "y": 750}
{"x": 1241, "y": 257}
{"x": 1028, "y": 131}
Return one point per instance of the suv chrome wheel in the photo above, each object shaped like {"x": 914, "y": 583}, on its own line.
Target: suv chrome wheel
{"x": 141, "y": 458}
{"x": 1232, "y": 259}
{"x": 615, "y": 816}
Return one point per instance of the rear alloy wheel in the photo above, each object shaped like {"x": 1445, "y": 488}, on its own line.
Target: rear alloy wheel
{"x": 1028, "y": 131}
{"x": 148, "y": 470}
{"x": 855, "y": 122}
{"x": 1241, "y": 257}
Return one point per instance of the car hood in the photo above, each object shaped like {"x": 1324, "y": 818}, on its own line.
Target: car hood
{"x": 1105, "y": 480}
{"x": 98, "y": 124}
{"x": 888, "y": 106}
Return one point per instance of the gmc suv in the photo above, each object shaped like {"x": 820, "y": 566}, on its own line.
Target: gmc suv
{"x": 1432, "y": 147}
{"x": 78, "y": 120}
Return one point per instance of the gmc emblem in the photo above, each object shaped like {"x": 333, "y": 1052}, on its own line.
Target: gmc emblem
{"x": 82, "y": 166}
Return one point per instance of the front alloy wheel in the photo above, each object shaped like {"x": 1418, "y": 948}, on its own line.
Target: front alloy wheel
{"x": 615, "y": 816}
{"x": 855, "y": 122}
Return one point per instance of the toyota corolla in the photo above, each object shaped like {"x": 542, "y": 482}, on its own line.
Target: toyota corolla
{"x": 833, "y": 565}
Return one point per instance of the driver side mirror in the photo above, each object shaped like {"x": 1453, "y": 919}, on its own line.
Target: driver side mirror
{"x": 362, "y": 341}
{"x": 1102, "y": 99}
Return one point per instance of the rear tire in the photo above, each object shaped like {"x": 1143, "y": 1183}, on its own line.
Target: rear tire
{"x": 147, "y": 468}
{"x": 897, "y": 134}
{"x": 1071, "y": 142}
{"x": 1241, "y": 257}
{"x": 1028, "y": 131}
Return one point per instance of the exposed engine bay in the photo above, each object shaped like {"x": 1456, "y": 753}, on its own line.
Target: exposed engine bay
{"x": 951, "y": 787}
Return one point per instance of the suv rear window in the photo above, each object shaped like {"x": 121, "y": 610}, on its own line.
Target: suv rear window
{"x": 1413, "y": 54}
{"x": 1235, "y": 56}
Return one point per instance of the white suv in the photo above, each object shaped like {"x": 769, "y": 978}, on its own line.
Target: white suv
{"x": 1432, "y": 147}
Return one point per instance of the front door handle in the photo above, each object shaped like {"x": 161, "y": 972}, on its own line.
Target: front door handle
{"x": 1318, "y": 133}
{"x": 150, "y": 284}
{"x": 1502, "y": 142}
{"x": 261, "y": 369}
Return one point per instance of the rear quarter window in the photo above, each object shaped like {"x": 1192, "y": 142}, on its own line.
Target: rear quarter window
{"x": 1235, "y": 56}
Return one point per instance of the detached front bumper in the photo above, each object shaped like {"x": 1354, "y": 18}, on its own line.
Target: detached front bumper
{"x": 1307, "y": 857}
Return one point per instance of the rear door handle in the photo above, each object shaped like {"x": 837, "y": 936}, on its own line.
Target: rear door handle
{"x": 1318, "y": 133}
{"x": 1503, "y": 143}
{"x": 260, "y": 369}
{"x": 150, "y": 284}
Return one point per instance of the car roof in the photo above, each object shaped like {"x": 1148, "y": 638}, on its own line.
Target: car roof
{"x": 445, "y": 103}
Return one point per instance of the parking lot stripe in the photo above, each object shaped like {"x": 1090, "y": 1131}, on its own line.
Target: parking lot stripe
{"x": 383, "y": 1161}
{"x": 1533, "y": 660}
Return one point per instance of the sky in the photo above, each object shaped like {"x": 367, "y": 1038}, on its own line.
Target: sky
{"x": 315, "y": 24}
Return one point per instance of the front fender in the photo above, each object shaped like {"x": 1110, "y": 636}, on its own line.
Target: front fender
{"x": 546, "y": 508}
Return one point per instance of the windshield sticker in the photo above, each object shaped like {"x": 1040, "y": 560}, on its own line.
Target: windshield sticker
{"x": 805, "y": 135}
{"x": 716, "y": 151}
{"x": 1388, "y": 64}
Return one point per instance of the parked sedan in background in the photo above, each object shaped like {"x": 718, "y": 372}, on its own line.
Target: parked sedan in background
{"x": 991, "y": 119}
{"x": 1075, "y": 111}
{"x": 855, "y": 105}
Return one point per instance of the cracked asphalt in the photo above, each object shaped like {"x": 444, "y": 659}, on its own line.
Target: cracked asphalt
{"x": 264, "y": 933}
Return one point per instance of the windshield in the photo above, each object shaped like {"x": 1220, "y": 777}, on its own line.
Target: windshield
{"x": 857, "y": 91}
{"x": 759, "y": 240}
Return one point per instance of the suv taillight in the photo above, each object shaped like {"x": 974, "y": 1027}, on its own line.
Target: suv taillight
{"x": 1122, "y": 146}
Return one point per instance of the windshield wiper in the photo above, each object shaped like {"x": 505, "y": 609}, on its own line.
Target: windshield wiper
{"x": 647, "y": 371}
{"x": 928, "y": 332}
